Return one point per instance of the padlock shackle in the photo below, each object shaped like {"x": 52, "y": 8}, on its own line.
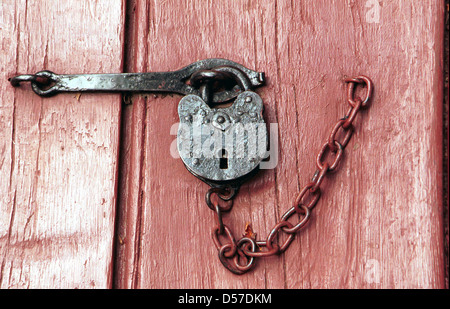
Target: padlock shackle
{"x": 240, "y": 77}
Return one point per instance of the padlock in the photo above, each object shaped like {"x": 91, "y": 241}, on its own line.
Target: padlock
{"x": 222, "y": 145}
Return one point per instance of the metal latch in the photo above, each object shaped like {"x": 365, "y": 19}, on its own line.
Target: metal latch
{"x": 221, "y": 146}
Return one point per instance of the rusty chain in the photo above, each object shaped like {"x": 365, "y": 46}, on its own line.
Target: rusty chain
{"x": 215, "y": 86}
{"x": 239, "y": 256}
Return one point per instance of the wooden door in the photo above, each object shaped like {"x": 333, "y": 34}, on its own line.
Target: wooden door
{"x": 92, "y": 198}
{"x": 59, "y": 155}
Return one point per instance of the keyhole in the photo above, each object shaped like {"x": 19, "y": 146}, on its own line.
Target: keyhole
{"x": 223, "y": 160}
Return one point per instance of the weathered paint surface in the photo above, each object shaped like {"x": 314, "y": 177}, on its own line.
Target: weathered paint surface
{"x": 58, "y": 156}
{"x": 379, "y": 223}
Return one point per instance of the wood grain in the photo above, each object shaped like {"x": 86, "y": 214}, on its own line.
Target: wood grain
{"x": 58, "y": 156}
{"x": 379, "y": 222}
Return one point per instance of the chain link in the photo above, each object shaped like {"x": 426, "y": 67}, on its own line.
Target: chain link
{"x": 239, "y": 256}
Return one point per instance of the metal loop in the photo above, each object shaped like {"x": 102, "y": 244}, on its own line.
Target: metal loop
{"x": 51, "y": 78}
{"x": 351, "y": 114}
{"x": 204, "y": 80}
{"x": 261, "y": 244}
{"x": 351, "y": 89}
{"x": 228, "y": 250}
{"x": 223, "y": 259}
{"x": 319, "y": 176}
{"x": 219, "y": 245}
{"x": 250, "y": 259}
{"x": 337, "y": 159}
{"x": 16, "y": 80}
{"x": 38, "y": 80}
{"x": 226, "y": 196}
{"x": 298, "y": 226}
{"x": 219, "y": 219}
{"x": 275, "y": 231}
{"x": 240, "y": 77}
{"x": 207, "y": 76}
{"x": 302, "y": 194}
{"x": 220, "y": 193}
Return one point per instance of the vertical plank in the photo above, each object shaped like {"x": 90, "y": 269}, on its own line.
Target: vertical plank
{"x": 170, "y": 201}
{"x": 379, "y": 222}
{"x": 58, "y": 156}
{"x": 131, "y": 157}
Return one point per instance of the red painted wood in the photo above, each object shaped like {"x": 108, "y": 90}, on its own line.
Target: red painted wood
{"x": 379, "y": 222}
{"x": 131, "y": 162}
{"x": 58, "y": 156}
